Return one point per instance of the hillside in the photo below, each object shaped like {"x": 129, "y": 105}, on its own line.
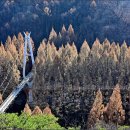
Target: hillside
{"x": 68, "y": 80}
{"x": 89, "y": 19}
{"x": 81, "y": 72}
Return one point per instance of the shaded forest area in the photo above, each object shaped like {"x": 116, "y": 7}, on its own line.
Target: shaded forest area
{"x": 90, "y": 18}
{"x": 81, "y": 87}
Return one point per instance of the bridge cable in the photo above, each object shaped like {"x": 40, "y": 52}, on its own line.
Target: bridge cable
{"x": 5, "y": 78}
{"x": 6, "y": 86}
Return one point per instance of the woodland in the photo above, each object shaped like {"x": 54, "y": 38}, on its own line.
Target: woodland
{"x": 81, "y": 87}
{"x": 90, "y": 19}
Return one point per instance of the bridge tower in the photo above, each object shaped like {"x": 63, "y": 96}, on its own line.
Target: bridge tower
{"x": 27, "y": 79}
{"x": 28, "y": 51}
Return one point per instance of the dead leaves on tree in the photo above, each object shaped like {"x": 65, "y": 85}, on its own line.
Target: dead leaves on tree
{"x": 113, "y": 112}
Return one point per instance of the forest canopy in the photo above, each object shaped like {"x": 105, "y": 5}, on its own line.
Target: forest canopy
{"x": 67, "y": 79}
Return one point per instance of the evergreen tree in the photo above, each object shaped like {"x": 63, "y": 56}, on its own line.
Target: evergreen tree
{"x": 106, "y": 45}
{"x": 96, "y": 113}
{"x": 27, "y": 110}
{"x": 70, "y": 30}
{"x": 2, "y": 51}
{"x": 93, "y": 3}
{"x": 41, "y": 55}
{"x": 14, "y": 41}
{"x": 8, "y": 42}
{"x": 96, "y": 47}
{"x": 114, "y": 110}
{"x": 12, "y": 49}
{"x": 63, "y": 30}
{"x": 84, "y": 51}
{"x": 20, "y": 38}
{"x": 123, "y": 52}
{"x": 47, "y": 110}
{"x": 37, "y": 111}
{"x": 53, "y": 35}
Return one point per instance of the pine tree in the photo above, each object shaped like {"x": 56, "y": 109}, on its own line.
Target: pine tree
{"x": 53, "y": 35}
{"x": 61, "y": 50}
{"x": 49, "y": 52}
{"x": 96, "y": 47}
{"x": 96, "y": 113}
{"x": 13, "y": 51}
{"x": 14, "y": 41}
{"x": 114, "y": 110}
{"x": 20, "y": 54}
{"x": 10, "y": 68}
{"x": 118, "y": 51}
{"x": 47, "y": 110}
{"x": 42, "y": 68}
{"x": 41, "y": 54}
{"x": 116, "y": 48}
{"x": 54, "y": 51}
{"x": 123, "y": 52}
{"x": 74, "y": 51}
{"x": 9, "y": 56}
{"x": 2, "y": 51}
{"x": 27, "y": 110}
{"x": 20, "y": 42}
{"x": 113, "y": 56}
{"x": 8, "y": 42}
{"x": 106, "y": 45}
{"x": 84, "y": 51}
{"x": 67, "y": 54}
{"x": 93, "y": 3}
{"x": 20, "y": 38}
{"x": 70, "y": 37}
{"x": 70, "y": 30}
{"x": 37, "y": 111}
{"x": 63, "y": 30}
{"x": 15, "y": 73}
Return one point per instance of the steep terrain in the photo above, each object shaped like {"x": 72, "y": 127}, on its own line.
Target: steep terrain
{"x": 90, "y": 19}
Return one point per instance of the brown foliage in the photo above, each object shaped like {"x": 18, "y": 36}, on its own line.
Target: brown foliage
{"x": 52, "y": 35}
{"x": 37, "y": 111}
{"x": 84, "y": 51}
{"x": 96, "y": 113}
{"x": 114, "y": 111}
{"x": 70, "y": 29}
{"x": 27, "y": 110}
{"x": 63, "y": 30}
{"x": 47, "y": 111}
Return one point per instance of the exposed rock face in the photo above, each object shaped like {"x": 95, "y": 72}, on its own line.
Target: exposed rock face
{"x": 37, "y": 111}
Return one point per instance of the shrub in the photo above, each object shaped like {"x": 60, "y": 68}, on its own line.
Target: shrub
{"x": 24, "y": 121}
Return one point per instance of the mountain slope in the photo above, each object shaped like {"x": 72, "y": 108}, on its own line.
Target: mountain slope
{"x": 101, "y": 19}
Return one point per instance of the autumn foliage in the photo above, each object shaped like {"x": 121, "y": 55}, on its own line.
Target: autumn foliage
{"x": 65, "y": 73}
{"x": 27, "y": 110}
{"x": 96, "y": 113}
{"x": 37, "y": 111}
{"x": 47, "y": 111}
{"x": 114, "y": 111}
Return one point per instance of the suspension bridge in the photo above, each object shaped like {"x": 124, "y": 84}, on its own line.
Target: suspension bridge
{"x": 27, "y": 79}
